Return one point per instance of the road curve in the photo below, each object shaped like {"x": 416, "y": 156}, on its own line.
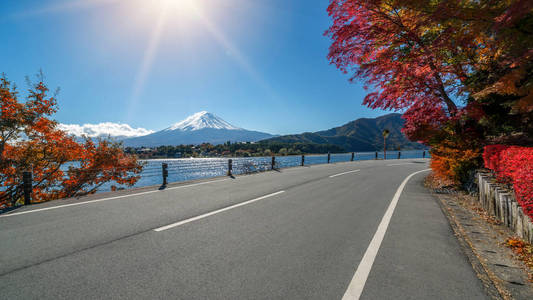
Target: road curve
{"x": 317, "y": 232}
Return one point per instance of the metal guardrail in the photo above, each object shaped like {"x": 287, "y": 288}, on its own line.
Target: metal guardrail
{"x": 213, "y": 167}
{"x": 187, "y": 169}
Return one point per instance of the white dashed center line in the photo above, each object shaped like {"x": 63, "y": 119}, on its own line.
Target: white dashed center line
{"x": 343, "y": 173}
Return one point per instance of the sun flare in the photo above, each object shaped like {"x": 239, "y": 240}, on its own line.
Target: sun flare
{"x": 182, "y": 6}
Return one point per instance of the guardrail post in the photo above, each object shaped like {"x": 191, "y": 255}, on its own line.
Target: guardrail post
{"x": 329, "y": 157}
{"x": 376, "y": 155}
{"x": 424, "y": 154}
{"x": 230, "y": 166}
{"x": 303, "y": 160}
{"x": 353, "y": 156}
{"x": 27, "y": 187}
{"x": 399, "y": 154}
{"x": 165, "y": 173}
{"x": 273, "y": 164}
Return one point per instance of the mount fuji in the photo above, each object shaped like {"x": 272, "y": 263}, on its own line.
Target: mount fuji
{"x": 202, "y": 127}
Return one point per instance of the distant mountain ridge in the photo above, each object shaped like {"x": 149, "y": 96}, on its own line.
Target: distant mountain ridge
{"x": 201, "y": 127}
{"x": 364, "y": 134}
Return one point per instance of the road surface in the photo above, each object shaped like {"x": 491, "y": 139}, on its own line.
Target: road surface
{"x": 364, "y": 229}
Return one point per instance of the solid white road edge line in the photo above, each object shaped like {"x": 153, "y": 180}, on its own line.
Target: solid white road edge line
{"x": 215, "y": 212}
{"x": 353, "y": 171}
{"x": 355, "y": 289}
{"x": 106, "y": 199}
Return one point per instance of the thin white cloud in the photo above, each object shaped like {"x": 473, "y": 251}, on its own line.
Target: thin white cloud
{"x": 104, "y": 129}
{"x": 62, "y": 6}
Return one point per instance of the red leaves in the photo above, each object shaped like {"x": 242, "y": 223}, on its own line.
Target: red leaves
{"x": 423, "y": 121}
{"x": 418, "y": 55}
{"x": 30, "y": 141}
{"x": 392, "y": 47}
{"x": 513, "y": 165}
{"x": 413, "y": 51}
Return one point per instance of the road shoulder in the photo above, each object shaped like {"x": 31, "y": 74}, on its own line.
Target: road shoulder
{"x": 483, "y": 240}
{"x": 420, "y": 258}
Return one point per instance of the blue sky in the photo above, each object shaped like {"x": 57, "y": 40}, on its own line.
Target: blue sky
{"x": 259, "y": 64}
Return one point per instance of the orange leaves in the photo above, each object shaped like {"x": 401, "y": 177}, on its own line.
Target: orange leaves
{"x": 425, "y": 57}
{"x": 456, "y": 147}
{"x": 447, "y": 162}
{"x": 506, "y": 85}
{"x": 61, "y": 167}
{"x": 524, "y": 251}
{"x": 413, "y": 51}
{"x": 515, "y": 243}
{"x": 99, "y": 164}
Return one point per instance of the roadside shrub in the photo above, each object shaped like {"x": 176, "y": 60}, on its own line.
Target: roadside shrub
{"x": 456, "y": 150}
{"x": 452, "y": 165}
{"x": 513, "y": 165}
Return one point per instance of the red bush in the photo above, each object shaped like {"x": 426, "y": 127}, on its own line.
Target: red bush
{"x": 513, "y": 165}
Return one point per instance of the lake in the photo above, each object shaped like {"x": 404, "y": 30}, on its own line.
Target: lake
{"x": 183, "y": 169}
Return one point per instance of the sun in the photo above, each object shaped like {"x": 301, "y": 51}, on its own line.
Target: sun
{"x": 178, "y": 5}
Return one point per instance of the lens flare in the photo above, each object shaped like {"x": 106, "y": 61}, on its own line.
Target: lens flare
{"x": 177, "y": 3}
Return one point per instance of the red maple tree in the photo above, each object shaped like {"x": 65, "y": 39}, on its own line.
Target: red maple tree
{"x": 61, "y": 167}
{"x": 422, "y": 55}
{"x": 431, "y": 58}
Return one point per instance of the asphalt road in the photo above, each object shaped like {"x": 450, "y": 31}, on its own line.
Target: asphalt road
{"x": 321, "y": 232}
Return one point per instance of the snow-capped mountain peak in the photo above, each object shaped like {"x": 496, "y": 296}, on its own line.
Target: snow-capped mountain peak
{"x": 201, "y": 120}
{"x": 202, "y": 127}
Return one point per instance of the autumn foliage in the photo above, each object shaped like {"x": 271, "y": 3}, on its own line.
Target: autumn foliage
{"x": 461, "y": 71}
{"x": 513, "y": 165}
{"x": 61, "y": 166}
{"x": 524, "y": 251}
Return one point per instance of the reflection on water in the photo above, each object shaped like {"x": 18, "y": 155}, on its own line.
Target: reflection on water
{"x": 183, "y": 169}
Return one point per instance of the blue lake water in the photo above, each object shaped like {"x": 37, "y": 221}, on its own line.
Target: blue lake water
{"x": 183, "y": 169}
